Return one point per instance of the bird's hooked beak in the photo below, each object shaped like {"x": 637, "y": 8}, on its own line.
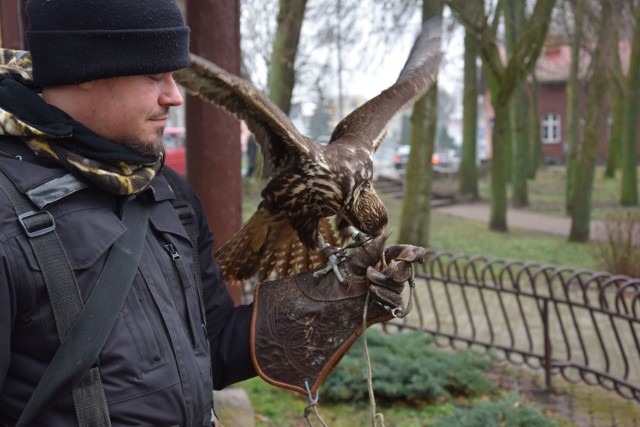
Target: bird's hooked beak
{"x": 367, "y": 213}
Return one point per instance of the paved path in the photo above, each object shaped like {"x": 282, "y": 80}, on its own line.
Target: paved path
{"x": 519, "y": 218}
{"x": 479, "y": 211}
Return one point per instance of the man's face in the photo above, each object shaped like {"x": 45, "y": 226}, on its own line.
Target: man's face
{"x": 133, "y": 110}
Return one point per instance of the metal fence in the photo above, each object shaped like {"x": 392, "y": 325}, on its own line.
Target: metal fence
{"x": 582, "y": 325}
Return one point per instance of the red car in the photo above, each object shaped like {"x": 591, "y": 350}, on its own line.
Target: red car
{"x": 175, "y": 149}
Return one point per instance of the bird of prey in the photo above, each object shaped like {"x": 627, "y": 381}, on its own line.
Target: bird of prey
{"x": 310, "y": 182}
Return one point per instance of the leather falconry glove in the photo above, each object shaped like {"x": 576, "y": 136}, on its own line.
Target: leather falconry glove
{"x": 302, "y": 325}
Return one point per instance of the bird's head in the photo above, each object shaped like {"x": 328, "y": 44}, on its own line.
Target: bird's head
{"x": 364, "y": 210}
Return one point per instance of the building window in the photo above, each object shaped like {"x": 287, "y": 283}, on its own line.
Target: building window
{"x": 550, "y": 128}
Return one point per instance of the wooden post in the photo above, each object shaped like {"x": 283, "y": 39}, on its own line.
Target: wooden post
{"x": 12, "y": 24}
{"x": 213, "y": 136}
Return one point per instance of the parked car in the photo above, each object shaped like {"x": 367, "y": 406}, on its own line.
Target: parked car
{"x": 446, "y": 161}
{"x": 175, "y": 149}
{"x": 401, "y": 157}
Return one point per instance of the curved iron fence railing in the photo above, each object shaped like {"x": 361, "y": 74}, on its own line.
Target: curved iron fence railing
{"x": 580, "y": 324}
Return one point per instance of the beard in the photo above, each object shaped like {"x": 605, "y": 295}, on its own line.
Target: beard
{"x": 152, "y": 149}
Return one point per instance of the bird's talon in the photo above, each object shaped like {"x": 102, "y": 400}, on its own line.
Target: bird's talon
{"x": 333, "y": 263}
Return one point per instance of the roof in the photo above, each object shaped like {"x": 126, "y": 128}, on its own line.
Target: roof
{"x": 554, "y": 62}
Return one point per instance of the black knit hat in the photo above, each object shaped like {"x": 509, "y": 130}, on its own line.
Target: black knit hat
{"x": 75, "y": 41}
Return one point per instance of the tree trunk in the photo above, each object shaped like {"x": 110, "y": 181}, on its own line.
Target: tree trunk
{"x": 629, "y": 188}
{"x": 520, "y": 144}
{"x": 416, "y": 203}
{"x": 573, "y": 113}
{"x": 616, "y": 95}
{"x": 595, "y": 120}
{"x": 468, "y": 164}
{"x": 614, "y": 148}
{"x": 533, "y": 129}
{"x": 13, "y": 24}
{"x": 502, "y": 81}
{"x": 499, "y": 159}
{"x": 213, "y": 136}
{"x": 281, "y": 78}
{"x": 514, "y": 22}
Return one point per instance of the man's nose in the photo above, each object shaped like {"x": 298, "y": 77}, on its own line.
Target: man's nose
{"x": 170, "y": 93}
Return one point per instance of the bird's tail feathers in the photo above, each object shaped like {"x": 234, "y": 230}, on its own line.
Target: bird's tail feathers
{"x": 239, "y": 257}
{"x": 268, "y": 247}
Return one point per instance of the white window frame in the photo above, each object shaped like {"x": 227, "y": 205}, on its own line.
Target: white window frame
{"x": 550, "y": 128}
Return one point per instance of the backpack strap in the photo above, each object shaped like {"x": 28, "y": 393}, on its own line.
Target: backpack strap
{"x": 79, "y": 351}
{"x": 66, "y": 301}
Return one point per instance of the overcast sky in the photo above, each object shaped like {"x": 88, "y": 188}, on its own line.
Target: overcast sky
{"x": 369, "y": 66}
{"x": 369, "y": 83}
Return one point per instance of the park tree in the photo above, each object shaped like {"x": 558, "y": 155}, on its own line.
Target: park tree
{"x": 327, "y": 27}
{"x": 285, "y": 48}
{"x": 629, "y": 187}
{"x": 468, "y": 177}
{"x": 502, "y": 79}
{"x": 599, "y": 73}
{"x": 416, "y": 204}
{"x": 535, "y": 142}
{"x": 616, "y": 100}
{"x": 514, "y": 18}
{"x": 624, "y": 87}
{"x": 574, "y": 90}
{"x": 624, "y": 92}
{"x": 306, "y": 62}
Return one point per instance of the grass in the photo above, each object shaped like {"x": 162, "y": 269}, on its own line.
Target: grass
{"x": 547, "y": 192}
{"x": 283, "y": 408}
{"x": 474, "y": 238}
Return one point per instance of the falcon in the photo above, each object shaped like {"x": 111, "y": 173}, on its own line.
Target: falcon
{"x": 309, "y": 182}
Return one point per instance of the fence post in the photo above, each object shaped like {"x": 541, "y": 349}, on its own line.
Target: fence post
{"x": 547, "y": 344}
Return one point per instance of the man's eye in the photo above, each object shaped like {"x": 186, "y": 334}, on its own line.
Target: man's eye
{"x": 155, "y": 77}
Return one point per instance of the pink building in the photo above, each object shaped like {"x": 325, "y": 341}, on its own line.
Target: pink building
{"x": 552, "y": 74}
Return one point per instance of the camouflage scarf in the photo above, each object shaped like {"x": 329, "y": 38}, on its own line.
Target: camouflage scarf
{"x": 56, "y": 137}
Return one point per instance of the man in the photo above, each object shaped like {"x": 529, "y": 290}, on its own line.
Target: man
{"x": 105, "y": 73}
{"x": 84, "y": 152}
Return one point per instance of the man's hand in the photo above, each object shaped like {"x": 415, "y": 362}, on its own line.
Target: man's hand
{"x": 387, "y": 284}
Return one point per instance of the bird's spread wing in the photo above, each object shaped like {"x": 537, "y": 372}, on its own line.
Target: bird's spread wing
{"x": 266, "y": 245}
{"x": 280, "y": 141}
{"x": 268, "y": 242}
{"x": 368, "y": 123}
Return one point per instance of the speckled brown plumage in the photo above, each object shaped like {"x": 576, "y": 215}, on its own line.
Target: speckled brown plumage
{"x": 309, "y": 182}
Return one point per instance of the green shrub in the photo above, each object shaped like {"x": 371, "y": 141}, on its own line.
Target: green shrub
{"x": 406, "y": 367}
{"x": 507, "y": 411}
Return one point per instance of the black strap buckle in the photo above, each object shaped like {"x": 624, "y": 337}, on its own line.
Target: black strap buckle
{"x": 37, "y": 223}
{"x": 185, "y": 212}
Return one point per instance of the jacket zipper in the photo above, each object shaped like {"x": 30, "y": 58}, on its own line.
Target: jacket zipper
{"x": 177, "y": 260}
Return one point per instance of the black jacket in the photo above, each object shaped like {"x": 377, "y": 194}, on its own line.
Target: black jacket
{"x": 155, "y": 366}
